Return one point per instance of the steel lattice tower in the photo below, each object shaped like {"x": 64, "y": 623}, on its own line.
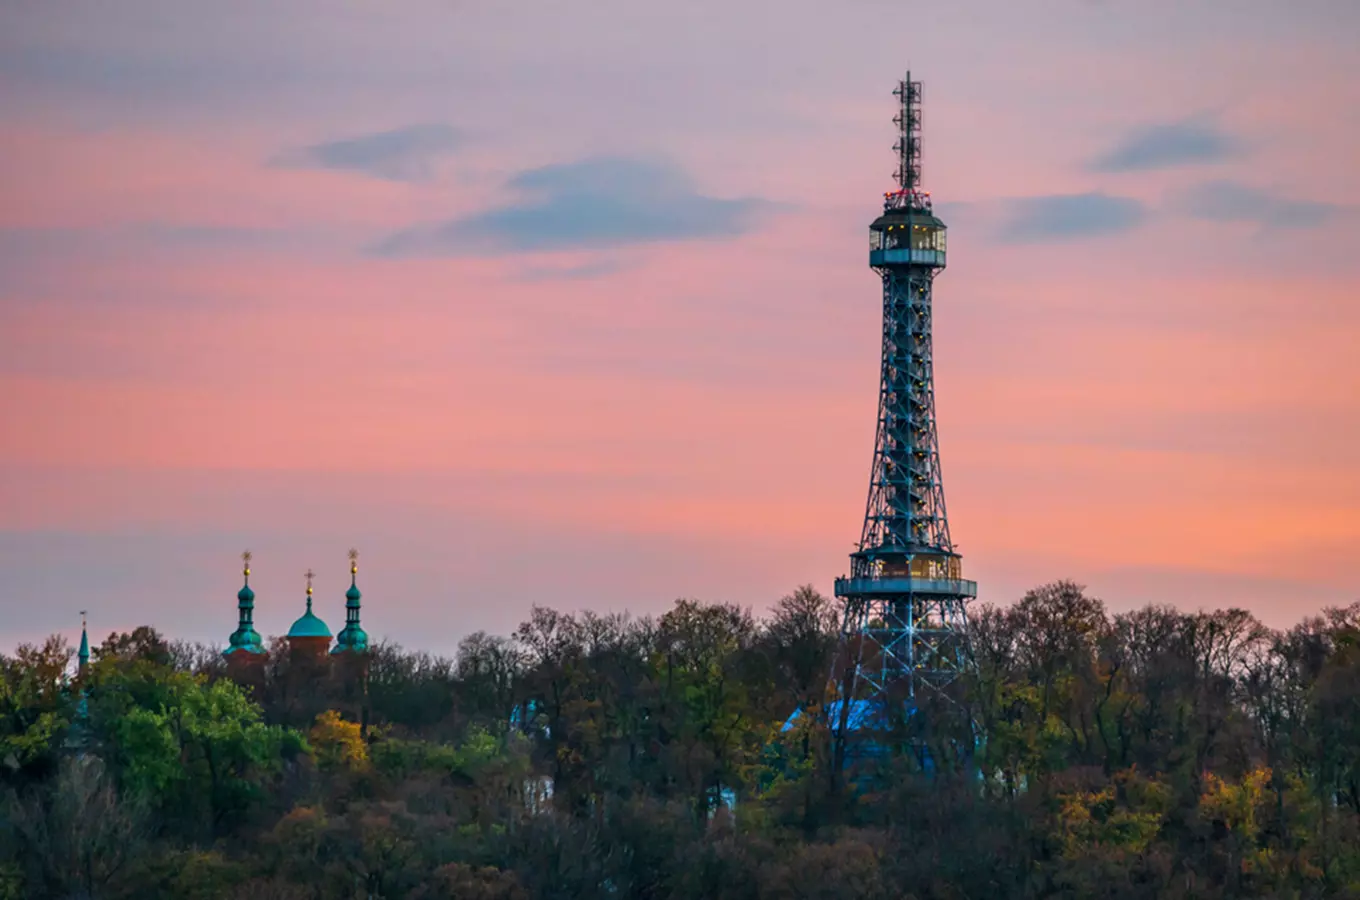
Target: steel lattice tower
{"x": 904, "y": 629}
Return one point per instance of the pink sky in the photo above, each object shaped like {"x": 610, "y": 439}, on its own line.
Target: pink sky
{"x": 569, "y": 304}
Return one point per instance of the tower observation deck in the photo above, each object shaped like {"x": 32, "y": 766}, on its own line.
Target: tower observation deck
{"x": 904, "y": 625}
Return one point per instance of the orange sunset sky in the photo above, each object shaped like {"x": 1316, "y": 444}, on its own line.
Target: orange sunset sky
{"x": 569, "y": 304}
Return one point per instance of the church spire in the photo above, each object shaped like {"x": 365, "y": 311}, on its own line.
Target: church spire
{"x": 352, "y": 638}
{"x": 77, "y": 738}
{"x": 83, "y": 656}
{"x": 245, "y": 639}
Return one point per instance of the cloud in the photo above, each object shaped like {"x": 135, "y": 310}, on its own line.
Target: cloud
{"x": 402, "y": 154}
{"x": 1230, "y": 201}
{"x": 1164, "y": 146}
{"x": 1060, "y": 217}
{"x": 590, "y": 204}
{"x": 596, "y": 268}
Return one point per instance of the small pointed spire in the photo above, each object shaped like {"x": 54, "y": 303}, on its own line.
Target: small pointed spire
{"x": 78, "y": 737}
{"x": 310, "y": 576}
{"x": 83, "y": 656}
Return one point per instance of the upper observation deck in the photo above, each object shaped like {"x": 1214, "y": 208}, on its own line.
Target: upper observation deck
{"x": 908, "y": 233}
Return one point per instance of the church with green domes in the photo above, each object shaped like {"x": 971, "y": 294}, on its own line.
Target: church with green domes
{"x": 309, "y": 635}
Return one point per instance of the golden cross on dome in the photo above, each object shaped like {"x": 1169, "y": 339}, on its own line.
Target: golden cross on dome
{"x": 353, "y": 560}
{"x": 245, "y": 560}
{"x": 310, "y": 576}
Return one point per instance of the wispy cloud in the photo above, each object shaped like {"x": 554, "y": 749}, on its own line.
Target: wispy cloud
{"x": 402, "y": 154}
{"x": 1231, "y": 201}
{"x": 589, "y": 204}
{"x": 584, "y": 271}
{"x": 1168, "y": 145}
{"x": 1064, "y": 217}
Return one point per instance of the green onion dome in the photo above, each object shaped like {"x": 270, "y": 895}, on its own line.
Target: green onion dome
{"x": 352, "y": 638}
{"x": 245, "y": 639}
{"x": 309, "y": 626}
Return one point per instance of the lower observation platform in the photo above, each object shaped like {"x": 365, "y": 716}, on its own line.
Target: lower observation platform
{"x": 871, "y": 587}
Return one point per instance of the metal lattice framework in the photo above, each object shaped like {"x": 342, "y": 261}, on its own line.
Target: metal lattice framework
{"x": 905, "y": 622}
{"x": 906, "y": 495}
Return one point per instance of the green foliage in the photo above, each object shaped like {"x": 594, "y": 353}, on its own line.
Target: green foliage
{"x": 398, "y": 759}
{"x": 1125, "y": 816}
{"x": 1146, "y": 754}
{"x": 35, "y": 708}
{"x": 197, "y": 750}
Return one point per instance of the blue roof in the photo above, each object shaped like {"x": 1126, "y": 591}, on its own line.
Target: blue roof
{"x": 862, "y": 716}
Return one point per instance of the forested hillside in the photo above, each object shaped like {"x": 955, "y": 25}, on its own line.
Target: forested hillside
{"x": 1148, "y": 754}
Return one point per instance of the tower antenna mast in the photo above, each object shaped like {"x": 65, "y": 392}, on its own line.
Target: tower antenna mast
{"x": 908, "y": 146}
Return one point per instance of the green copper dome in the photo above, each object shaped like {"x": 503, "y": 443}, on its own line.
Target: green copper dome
{"x": 352, "y": 638}
{"x": 309, "y": 626}
{"x": 245, "y": 639}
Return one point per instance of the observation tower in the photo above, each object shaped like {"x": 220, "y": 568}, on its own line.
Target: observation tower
{"x": 904, "y": 628}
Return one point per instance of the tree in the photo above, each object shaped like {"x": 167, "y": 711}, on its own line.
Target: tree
{"x": 487, "y": 669}
{"x": 77, "y": 834}
{"x": 460, "y": 881}
{"x": 143, "y": 643}
{"x": 196, "y": 750}
{"x": 803, "y": 629}
{"x": 1154, "y": 753}
{"x": 412, "y": 691}
{"x": 702, "y": 653}
{"x": 337, "y": 744}
{"x": 35, "y": 708}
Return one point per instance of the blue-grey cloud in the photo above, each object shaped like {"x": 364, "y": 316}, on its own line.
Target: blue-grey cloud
{"x": 596, "y": 268}
{"x": 1063, "y": 217}
{"x": 402, "y": 154}
{"x": 1168, "y": 145}
{"x": 589, "y": 204}
{"x": 1230, "y": 201}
